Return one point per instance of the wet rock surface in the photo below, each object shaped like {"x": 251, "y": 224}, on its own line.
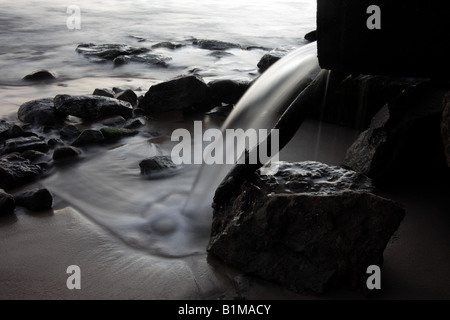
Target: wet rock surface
{"x": 69, "y": 132}
{"x": 216, "y": 45}
{"x": 158, "y": 166}
{"x": 22, "y": 144}
{"x": 91, "y": 107}
{"x": 127, "y": 96}
{"x": 35, "y": 200}
{"x": 146, "y": 58}
{"x": 308, "y": 227}
{"x": 89, "y": 137}
{"x": 41, "y": 75}
{"x": 403, "y": 136}
{"x": 15, "y": 171}
{"x": 7, "y": 203}
{"x": 182, "y": 93}
{"x": 117, "y": 133}
{"x": 273, "y": 56}
{"x": 40, "y": 112}
{"x": 107, "y": 52}
{"x": 228, "y": 91}
{"x": 104, "y": 93}
{"x": 67, "y": 152}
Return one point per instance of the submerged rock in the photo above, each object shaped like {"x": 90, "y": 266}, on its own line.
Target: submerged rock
{"x": 104, "y": 93}
{"x": 114, "y": 121}
{"x": 69, "y": 132}
{"x": 108, "y": 52}
{"x": 158, "y": 166}
{"x": 403, "y": 136}
{"x": 308, "y": 226}
{"x": 228, "y": 91}
{"x": 15, "y": 171}
{"x": 41, "y": 75}
{"x": 91, "y": 107}
{"x": 117, "y": 133}
{"x": 445, "y": 128}
{"x": 147, "y": 58}
{"x": 273, "y": 56}
{"x": 89, "y": 137}
{"x": 216, "y": 45}
{"x": 167, "y": 45}
{"x": 181, "y": 93}
{"x": 40, "y": 112}
{"x": 22, "y": 144}
{"x": 64, "y": 153}
{"x": 7, "y": 203}
{"x": 35, "y": 200}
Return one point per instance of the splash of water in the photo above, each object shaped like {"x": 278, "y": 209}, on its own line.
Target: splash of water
{"x": 259, "y": 108}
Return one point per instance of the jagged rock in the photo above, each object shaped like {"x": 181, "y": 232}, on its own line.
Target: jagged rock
{"x": 40, "y": 112}
{"x": 15, "y": 171}
{"x": 403, "y": 136}
{"x": 273, "y": 56}
{"x": 89, "y": 137}
{"x": 117, "y": 133}
{"x": 22, "y": 144}
{"x": 64, "y": 153}
{"x": 228, "y": 91}
{"x": 147, "y": 58}
{"x": 35, "y": 200}
{"x": 216, "y": 45}
{"x": 107, "y": 52}
{"x": 167, "y": 45}
{"x": 311, "y": 36}
{"x": 41, "y": 75}
{"x": 308, "y": 226}
{"x": 158, "y": 166}
{"x": 128, "y": 96}
{"x": 7, "y": 203}
{"x": 69, "y": 132}
{"x": 445, "y": 128}
{"x": 92, "y": 107}
{"x": 181, "y": 93}
{"x": 104, "y": 93}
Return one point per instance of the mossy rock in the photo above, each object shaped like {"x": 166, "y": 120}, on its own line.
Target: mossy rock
{"x": 117, "y": 133}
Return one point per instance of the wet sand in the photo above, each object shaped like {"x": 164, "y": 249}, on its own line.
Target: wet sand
{"x": 36, "y": 249}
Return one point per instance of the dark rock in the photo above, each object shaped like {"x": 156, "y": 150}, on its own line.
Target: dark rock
{"x": 7, "y": 203}
{"x": 128, "y": 96}
{"x": 15, "y": 171}
{"x": 35, "y": 200}
{"x": 42, "y": 75}
{"x": 307, "y": 227}
{"x": 167, "y": 45}
{"x": 311, "y": 36}
{"x": 104, "y": 93}
{"x": 117, "y": 133}
{"x": 220, "y": 54}
{"x": 228, "y": 91}
{"x": 138, "y": 112}
{"x": 69, "y": 132}
{"x": 146, "y": 58}
{"x": 134, "y": 123}
{"x": 108, "y": 52}
{"x": 15, "y": 131}
{"x": 65, "y": 153}
{"x": 158, "y": 166}
{"x": 403, "y": 136}
{"x": 22, "y": 144}
{"x": 89, "y": 137}
{"x": 32, "y": 155}
{"x": 216, "y": 45}
{"x": 53, "y": 142}
{"x": 4, "y": 128}
{"x": 117, "y": 90}
{"x": 92, "y": 107}
{"x": 445, "y": 128}
{"x": 40, "y": 112}
{"x": 182, "y": 93}
{"x": 114, "y": 121}
{"x": 273, "y": 56}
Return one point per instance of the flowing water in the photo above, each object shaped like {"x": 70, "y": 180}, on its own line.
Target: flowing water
{"x": 106, "y": 185}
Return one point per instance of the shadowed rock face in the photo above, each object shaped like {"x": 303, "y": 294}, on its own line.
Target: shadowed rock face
{"x": 308, "y": 226}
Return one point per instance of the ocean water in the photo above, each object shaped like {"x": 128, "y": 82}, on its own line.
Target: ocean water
{"x": 35, "y": 35}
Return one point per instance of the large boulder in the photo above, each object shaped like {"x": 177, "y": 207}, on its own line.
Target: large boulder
{"x": 40, "y": 112}
{"x": 445, "y": 128}
{"x": 181, "y": 93}
{"x": 15, "y": 171}
{"x": 308, "y": 226}
{"x": 403, "y": 136}
{"x": 92, "y": 107}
